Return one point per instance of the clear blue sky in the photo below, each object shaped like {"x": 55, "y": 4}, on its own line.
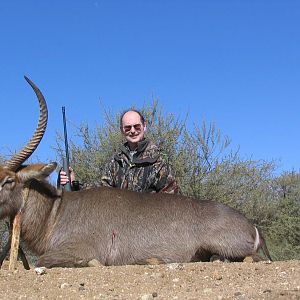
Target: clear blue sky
{"x": 235, "y": 63}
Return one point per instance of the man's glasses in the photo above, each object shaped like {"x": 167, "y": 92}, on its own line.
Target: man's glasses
{"x": 137, "y": 127}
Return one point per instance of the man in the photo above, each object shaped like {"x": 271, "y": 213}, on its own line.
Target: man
{"x": 138, "y": 165}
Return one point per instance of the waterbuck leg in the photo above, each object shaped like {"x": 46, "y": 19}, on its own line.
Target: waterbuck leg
{"x": 253, "y": 258}
{"x": 23, "y": 258}
{"x": 66, "y": 258}
{"x": 5, "y": 252}
{"x": 63, "y": 260}
{"x": 21, "y": 253}
{"x": 7, "y": 247}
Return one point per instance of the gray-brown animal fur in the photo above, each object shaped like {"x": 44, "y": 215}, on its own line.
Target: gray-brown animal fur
{"x": 119, "y": 227}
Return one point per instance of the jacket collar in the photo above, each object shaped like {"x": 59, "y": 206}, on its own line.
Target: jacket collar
{"x": 142, "y": 145}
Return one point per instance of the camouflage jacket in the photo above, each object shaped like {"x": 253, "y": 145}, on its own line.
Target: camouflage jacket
{"x": 144, "y": 170}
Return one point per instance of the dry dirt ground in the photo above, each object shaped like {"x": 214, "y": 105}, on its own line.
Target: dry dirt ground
{"x": 217, "y": 280}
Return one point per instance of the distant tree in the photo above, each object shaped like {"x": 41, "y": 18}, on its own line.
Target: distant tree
{"x": 284, "y": 230}
{"x": 2, "y": 160}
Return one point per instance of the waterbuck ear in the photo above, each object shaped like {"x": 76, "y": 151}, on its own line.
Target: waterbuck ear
{"x": 36, "y": 171}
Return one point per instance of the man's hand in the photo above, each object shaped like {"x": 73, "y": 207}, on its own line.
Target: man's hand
{"x": 64, "y": 178}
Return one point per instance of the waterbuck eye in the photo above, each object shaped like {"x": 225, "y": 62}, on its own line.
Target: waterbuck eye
{"x": 7, "y": 180}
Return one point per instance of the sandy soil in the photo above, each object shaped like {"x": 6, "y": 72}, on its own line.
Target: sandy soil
{"x": 217, "y": 280}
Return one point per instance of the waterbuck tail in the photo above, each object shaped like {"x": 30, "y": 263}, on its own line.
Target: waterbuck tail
{"x": 260, "y": 243}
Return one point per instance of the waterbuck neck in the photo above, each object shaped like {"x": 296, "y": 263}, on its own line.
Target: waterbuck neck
{"x": 38, "y": 216}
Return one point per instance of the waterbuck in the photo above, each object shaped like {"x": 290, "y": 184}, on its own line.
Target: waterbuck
{"x": 115, "y": 226}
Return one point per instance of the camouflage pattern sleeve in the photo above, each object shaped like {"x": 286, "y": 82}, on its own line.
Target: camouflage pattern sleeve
{"x": 166, "y": 182}
{"x": 107, "y": 177}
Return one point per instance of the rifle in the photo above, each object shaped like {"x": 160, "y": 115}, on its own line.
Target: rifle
{"x": 66, "y": 159}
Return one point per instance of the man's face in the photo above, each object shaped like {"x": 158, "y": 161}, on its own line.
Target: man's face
{"x": 132, "y": 128}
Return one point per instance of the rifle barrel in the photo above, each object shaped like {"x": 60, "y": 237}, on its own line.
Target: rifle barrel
{"x": 66, "y": 161}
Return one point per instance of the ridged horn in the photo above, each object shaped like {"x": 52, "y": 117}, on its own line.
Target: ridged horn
{"x": 15, "y": 162}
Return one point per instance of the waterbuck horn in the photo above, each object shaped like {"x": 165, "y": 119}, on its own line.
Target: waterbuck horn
{"x": 26, "y": 152}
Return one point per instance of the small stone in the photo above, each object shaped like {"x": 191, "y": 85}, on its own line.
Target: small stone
{"x": 154, "y": 294}
{"x": 217, "y": 261}
{"x": 282, "y": 274}
{"x": 64, "y": 285}
{"x": 94, "y": 263}
{"x": 40, "y": 271}
{"x": 175, "y": 266}
{"x": 147, "y": 297}
{"x": 207, "y": 291}
{"x": 215, "y": 258}
{"x": 248, "y": 259}
{"x": 81, "y": 288}
{"x": 157, "y": 275}
{"x": 217, "y": 276}
{"x": 267, "y": 262}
